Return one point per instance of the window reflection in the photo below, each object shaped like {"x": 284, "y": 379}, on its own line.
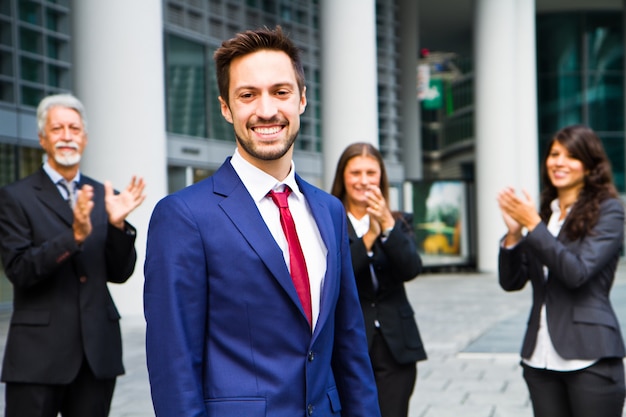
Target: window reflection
{"x": 186, "y": 87}
{"x": 580, "y": 77}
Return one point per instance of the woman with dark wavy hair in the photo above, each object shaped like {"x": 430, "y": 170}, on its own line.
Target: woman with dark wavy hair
{"x": 573, "y": 348}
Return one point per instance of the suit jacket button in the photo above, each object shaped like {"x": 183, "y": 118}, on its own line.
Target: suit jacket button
{"x": 82, "y": 279}
{"x": 311, "y": 356}
{"x": 309, "y": 409}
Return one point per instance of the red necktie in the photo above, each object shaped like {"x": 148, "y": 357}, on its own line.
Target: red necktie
{"x": 297, "y": 264}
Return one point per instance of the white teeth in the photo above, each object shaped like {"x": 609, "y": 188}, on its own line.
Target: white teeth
{"x": 267, "y": 130}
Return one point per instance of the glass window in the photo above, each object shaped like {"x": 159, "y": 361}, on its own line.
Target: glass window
{"x": 5, "y": 7}
{"x": 5, "y": 33}
{"x": 57, "y": 22}
{"x": 559, "y": 98}
{"x": 605, "y": 101}
{"x": 580, "y": 61}
{"x": 32, "y": 70}
{"x": 605, "y": 45}
{"x": 6, "y": 63}
{"x": 53, "y": 48}
{"x": 30, "y": 41}
{"x": 176, "y": 178}
{"x": 268, "y": 5}
{"x": 219, "y": 127}
{"x": 29, "y": 12}
{"x": 31, "y": 96}
{"x": 558, "y": 43}
{"x": 615, "y": 149}
{"x": 58, "y": 77}
{"x": 30, "y": 160}
{"x": 6, "y": 92}
{"x": 186, "y": 89}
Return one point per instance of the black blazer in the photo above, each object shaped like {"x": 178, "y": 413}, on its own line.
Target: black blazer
{"x": 395, "y": 261}
{"x": 581, "y": 320}
{"x": 62, "y": 308}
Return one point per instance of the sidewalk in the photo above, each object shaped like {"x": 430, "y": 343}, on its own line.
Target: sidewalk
{"x": 472, "y": 331}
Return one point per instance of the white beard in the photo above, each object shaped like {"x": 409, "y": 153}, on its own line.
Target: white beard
{"x": 67, "y": 160}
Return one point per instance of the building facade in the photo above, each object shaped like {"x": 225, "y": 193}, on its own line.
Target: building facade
{"x": 144, "y": 70}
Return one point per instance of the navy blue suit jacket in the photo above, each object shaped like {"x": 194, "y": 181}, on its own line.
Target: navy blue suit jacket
{"x": 226, "y": 335}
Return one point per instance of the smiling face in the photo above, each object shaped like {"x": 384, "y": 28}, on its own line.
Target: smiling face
{"x": 361, "y": 172}
{"x": 264, "y": 106}
{"x": 567, "y": 174}
{"x": 63, "y": 139}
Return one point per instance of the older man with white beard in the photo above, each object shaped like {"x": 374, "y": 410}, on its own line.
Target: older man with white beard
{"x": 63, "y": 236}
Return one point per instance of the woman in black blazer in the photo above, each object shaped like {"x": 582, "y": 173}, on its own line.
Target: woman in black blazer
{"x": 573, "y": 348}
{"x": 384, "y": 256}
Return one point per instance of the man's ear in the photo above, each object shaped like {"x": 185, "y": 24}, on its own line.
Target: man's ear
{"x": 225, "y": 110}
{"x": 303, "y": 100}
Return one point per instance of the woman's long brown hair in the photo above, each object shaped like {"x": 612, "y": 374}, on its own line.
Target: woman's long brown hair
{"x": 583, "y": 144}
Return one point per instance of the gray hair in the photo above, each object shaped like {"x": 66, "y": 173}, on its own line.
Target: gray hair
{"x": 59, "y": 100}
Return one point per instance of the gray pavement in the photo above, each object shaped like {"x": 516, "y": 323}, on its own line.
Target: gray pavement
{"x": 472, "y": 331}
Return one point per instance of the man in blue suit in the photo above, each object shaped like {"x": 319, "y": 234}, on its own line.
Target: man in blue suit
{"x": 227, "y": 334}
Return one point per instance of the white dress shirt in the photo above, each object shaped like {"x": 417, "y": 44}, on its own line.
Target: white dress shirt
{"x": 56, "y": 177}
{"x": 361, "y": 226}
{"x": 259, "y": 184}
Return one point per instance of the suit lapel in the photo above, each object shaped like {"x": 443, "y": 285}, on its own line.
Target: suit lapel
{"x": 49, "y": 195}
{"x": 239, "y": 206}
{"x": 321, "y": 214}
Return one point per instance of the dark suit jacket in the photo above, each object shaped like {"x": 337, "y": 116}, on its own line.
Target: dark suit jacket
{"x": 62, "y": 309}
{"x": 395, "y": 261}
{"x": 581, "y": 320}
{"x": 226, "y": 334}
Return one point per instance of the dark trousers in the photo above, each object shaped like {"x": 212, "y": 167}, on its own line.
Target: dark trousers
{"x": 394, "y": 381}
{"x": 597, "y": 391}
{"x": 85, "y": 396}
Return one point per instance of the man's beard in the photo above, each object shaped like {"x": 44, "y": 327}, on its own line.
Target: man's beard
{"x": 67, "y": 160}
{"x": 266, "y": 154}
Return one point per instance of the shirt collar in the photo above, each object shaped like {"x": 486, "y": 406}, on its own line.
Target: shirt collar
{"x": 556, "y": 208}
{"x": 360, "y": 226}
{"x": 259, "y": 183}
{"x": 55, "y": 176}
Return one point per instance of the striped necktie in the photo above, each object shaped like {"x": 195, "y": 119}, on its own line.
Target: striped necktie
{"x": 70, "y": 189}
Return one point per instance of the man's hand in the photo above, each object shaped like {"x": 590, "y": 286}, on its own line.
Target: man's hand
{"x": 118, "y": 206}
{"x": 82, "y": 211}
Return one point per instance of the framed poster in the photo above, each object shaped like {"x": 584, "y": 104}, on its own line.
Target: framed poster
{"x": 441, "y": 222}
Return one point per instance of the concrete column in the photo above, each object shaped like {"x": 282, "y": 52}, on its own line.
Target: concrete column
{"x": 410, "y": 116}
{"x": 527, "y": 125}
{"x": 349, "y": 87}
{"x": 506, "y": 107}
{"x": 118, "y": 58}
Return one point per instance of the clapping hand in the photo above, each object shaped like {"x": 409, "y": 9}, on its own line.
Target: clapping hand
{"x": 378, "y": 209}
{"x": 517, "y": 213}
{"x": 118, "y": 206}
